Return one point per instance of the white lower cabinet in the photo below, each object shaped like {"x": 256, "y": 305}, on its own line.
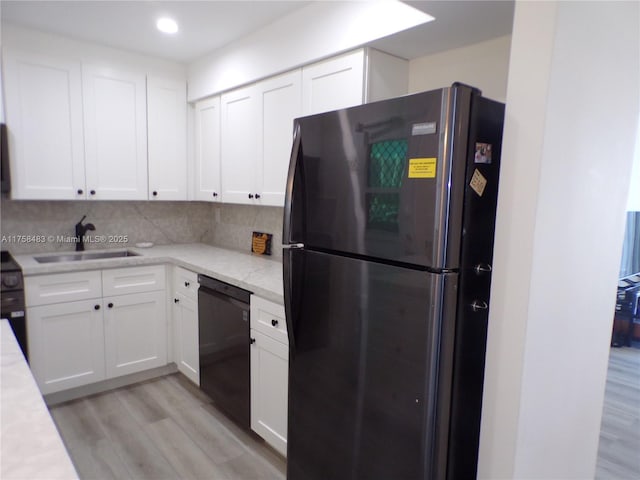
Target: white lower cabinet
{"x": 135, "y": 332}
{"x": 185, "y": 323}
{"x": 269, "y": 373}
{"x": 75, "y": 340}
{"x": 66, "y": 344}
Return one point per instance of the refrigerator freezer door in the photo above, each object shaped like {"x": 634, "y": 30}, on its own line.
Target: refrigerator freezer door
{"x": 380, "y": 180}
{"x": 364, "y": 397}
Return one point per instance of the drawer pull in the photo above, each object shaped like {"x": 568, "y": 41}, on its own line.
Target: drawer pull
{"x": 274, "y": 322}
{"x": 176, "y": 300}
{"x": 252, "y": 341}
{"x": 96, "y": 307}
{"x": 110, "y": 305}
{"x": 186, "y": 284}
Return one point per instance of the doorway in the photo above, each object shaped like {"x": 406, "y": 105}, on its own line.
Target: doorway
{"x": 620, "y": 428}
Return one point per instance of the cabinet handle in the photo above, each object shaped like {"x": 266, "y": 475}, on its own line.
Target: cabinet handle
{"x": 80, "y": 191}
{"x": 251, "y": 195}
{"x": 215, "y": 194}
{"x": 154, "y": 193}
{"x": 252, "y": 341}
{"x": 186, "y": 284}
{"x": 96, "y": 307}
{"x": 176, "y": 300}
{"x": 110, "y": 305}
{"x": 257, "y": 196}
{"x": 92, "y": 192}
{"x": 274, "y": 322}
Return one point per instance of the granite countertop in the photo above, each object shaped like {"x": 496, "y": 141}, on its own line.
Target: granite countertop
{"x": 258, "y": 274}
{"x": 31, "y": 445}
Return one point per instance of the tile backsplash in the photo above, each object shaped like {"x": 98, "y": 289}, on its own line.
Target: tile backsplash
{"x": 234, "y": 225}
{"x": 23, "y": 224}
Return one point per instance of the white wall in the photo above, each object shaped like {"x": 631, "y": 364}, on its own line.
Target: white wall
{"x": 314, "y": 32}
{"x": 19, "y": 38}
{"x": 484, "y": 65}
{"x": 633, "y": 203}
{"x": 571, "y": 121}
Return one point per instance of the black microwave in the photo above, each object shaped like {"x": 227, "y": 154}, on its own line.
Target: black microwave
{"x": 5, "y": 179}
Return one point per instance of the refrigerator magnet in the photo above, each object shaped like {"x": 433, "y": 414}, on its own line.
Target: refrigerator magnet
{"x": 478, "y": 182}
{"x": 483, "y": 153}
{"x": 422, "y": 167}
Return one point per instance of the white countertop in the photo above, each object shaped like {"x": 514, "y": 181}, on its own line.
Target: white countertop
{"x": 31, "y": 447}
{"x": 258, "y": 274}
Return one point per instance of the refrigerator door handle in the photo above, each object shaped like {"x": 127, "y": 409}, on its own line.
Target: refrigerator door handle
{"x": 293, "y": 165}
{"x": 288, "y": 297}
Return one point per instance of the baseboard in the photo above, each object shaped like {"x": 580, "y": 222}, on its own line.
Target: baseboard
{"x": 56, "y": 398}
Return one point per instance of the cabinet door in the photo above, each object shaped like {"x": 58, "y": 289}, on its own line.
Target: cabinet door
{"x": 62, "y": 287}
{"x": 240, "y": 148}
{"x": 207, "y": 137}
{"x": 185, "y": 282}
{"x": 122, "y": 281}
{"x": 44, "y": 119}
{"x": 280, "y": 103}
{"x": 333, "y": 84}
{"x": 66, "y": 344}
{"x": 115, "y": 134}
{"x": 269, "y": 390}
{"x": 268, "y": 318}
{"x": 135, "y": 332}
{"x": 167, "y": 137}
{"x": 185, "y": 317}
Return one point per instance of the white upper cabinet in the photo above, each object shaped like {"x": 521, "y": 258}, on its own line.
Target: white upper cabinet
{"x": 207, "y": 151}
{"x": 257, "y": 133}
{"x": 357, "y": 77}
{"x": 280, "y": 103}
{"x": 167, "y": 138}
{"x": 240, "y": 144}
{"x": 333, "y": 84}
{"x": 44, "y": 117}
{"x": 115, "y": 133}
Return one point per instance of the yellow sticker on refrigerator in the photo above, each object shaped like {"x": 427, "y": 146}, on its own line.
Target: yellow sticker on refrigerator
{"x": 422, "y": 167}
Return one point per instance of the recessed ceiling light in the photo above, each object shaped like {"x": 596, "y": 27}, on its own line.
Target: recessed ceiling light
{"x": 167, "y": 25}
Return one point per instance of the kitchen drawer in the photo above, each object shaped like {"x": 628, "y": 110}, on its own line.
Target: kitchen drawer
{"x": 185, "y": 282}
{"x": 62, "y": 287}
{"x": 268, "y": 317}
{"x": 122, "y": 281}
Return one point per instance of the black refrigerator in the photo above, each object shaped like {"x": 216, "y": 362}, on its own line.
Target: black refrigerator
{"x": 388, "y": 241}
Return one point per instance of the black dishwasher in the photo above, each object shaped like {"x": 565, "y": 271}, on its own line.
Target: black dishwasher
{"x": 223, "y": 320}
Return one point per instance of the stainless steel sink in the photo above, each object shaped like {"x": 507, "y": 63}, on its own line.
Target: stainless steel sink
{"x": 79, "y": 256}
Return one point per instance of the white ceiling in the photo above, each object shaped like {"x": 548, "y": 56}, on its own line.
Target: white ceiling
{"x": 208, "y": 25}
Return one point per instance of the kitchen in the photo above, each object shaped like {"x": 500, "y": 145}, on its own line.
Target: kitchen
{"x": 231, "y": 223}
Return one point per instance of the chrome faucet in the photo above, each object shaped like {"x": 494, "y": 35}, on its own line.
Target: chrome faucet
{"x": 80, "y": 231}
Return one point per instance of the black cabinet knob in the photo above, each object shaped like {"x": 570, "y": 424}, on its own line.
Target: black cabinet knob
{"x": 110, "y": 305}
{"x": 186, "y": 284}
{"x": 80, "y": 191}
{"x": 96, "y": 307}
{"x": 92, "y": 192}
{"x": 176, "y": 300}
{"x": 257, "y": 195}
{"x": 252, "y": 341}
{"x": 274, "y": 322}
{"x": 215, "y": 194}
{"x": 154, "y": 193}
{"x": 251, "y": 195}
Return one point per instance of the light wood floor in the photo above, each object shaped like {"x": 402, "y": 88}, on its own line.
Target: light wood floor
{"x": 619, "y": 448}
{"x": 164, "y": 428}
{"x": 167, "y": 429}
